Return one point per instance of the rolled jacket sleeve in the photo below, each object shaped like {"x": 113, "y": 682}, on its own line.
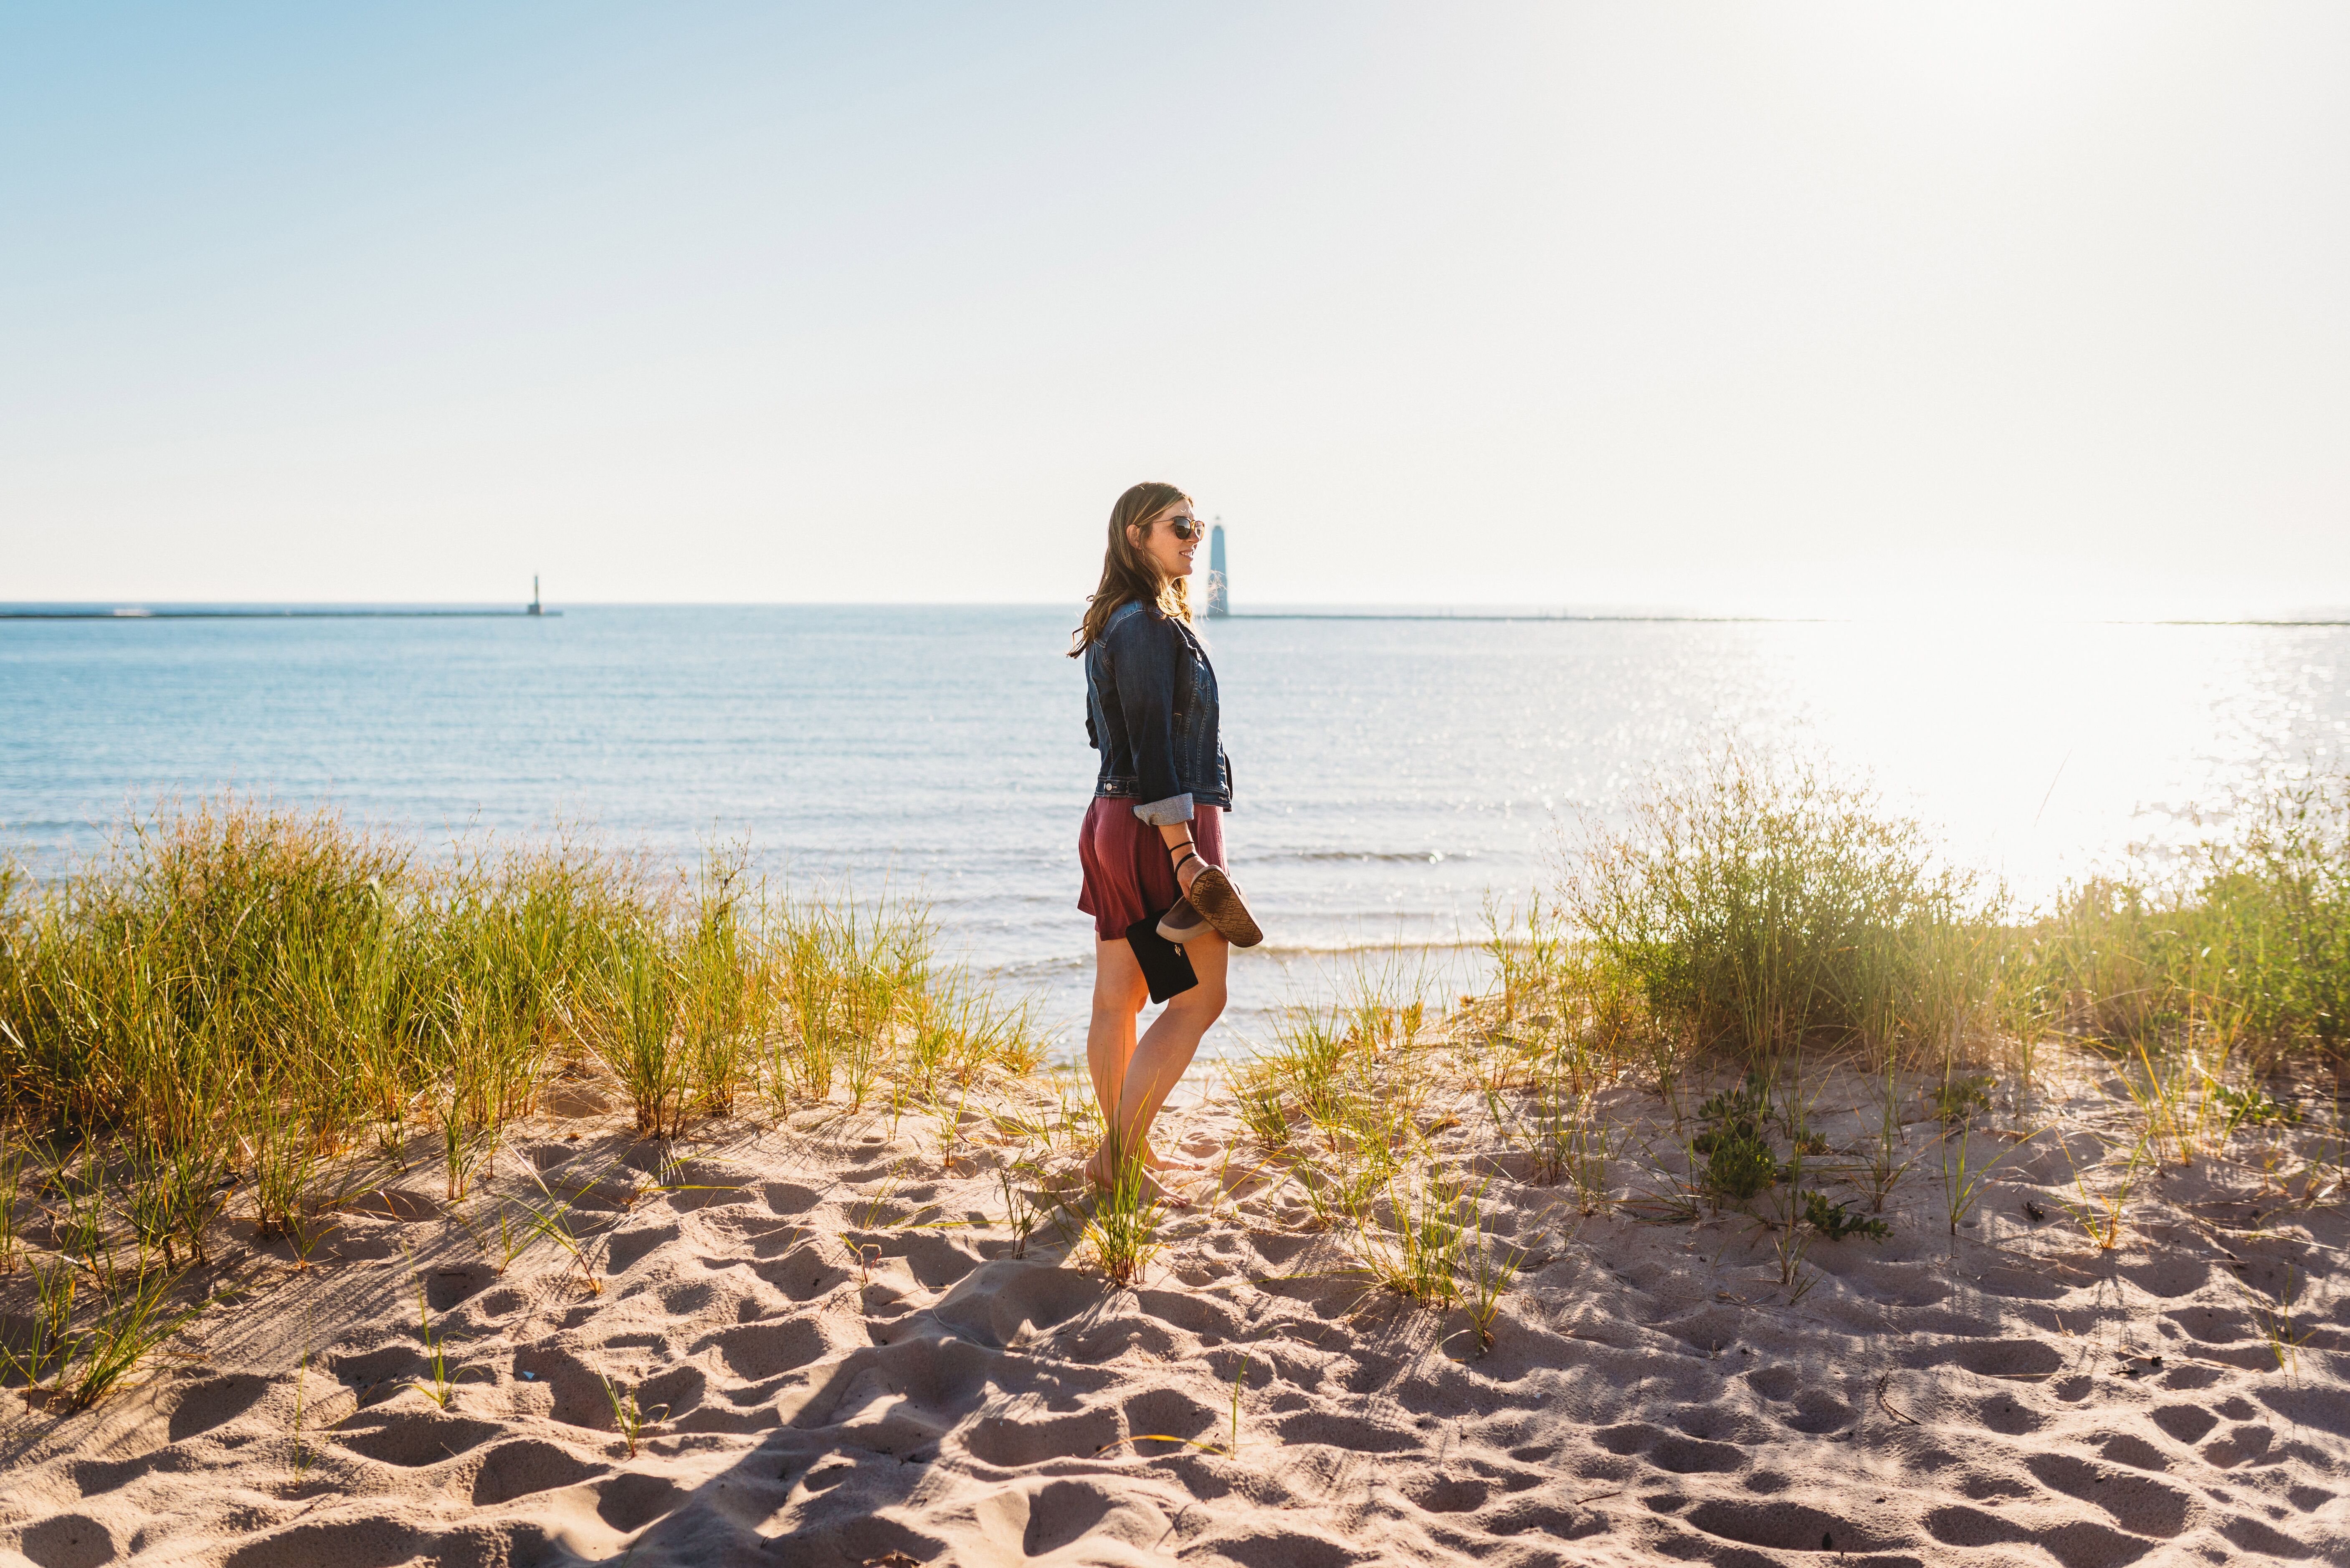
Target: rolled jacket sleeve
{"x": 1166, "y": 813}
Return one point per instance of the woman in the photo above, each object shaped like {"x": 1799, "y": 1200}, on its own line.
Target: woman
{"x": 1153, "y": 843}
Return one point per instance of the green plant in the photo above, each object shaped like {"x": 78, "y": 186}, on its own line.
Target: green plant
{"x": 1264, "y": 1111}
{"x": 193, "y": 1171}
{"x": 440, "y": 1382}
{"x": 1962, "y": 1175}
{"x": 641, "y": 1041}
{"x": 1121, "y": 1235}
{"x": 1571, "y": 1141}
{"x": 1888, "y": 1159}
{"x": 12, "y": 1175}
{"x": 1528, "y": 952}
{"x": 2246, "y": 948}
{"x": 2275, "y": 1316}
{"x": 551, "y": 1216}
{"x": 719, "y": 984}
{"x": 284, "y": 1160}
{"x": 1676, "y": 1194}
{"x": 1836, "y": 1222}
{"x": 1413, "y": 1241}
{"x": 949, "y": 1121}
{"x": 1761, "y": 907}
{"x": 1791, "y": 1242}
{"x": 1230, "y": 1449}
{"x": 232, "y": 999}
{"x": 1792, "y": 1245}
{"x": 135, "y": 1317}
{"x": 2251, "y": 1106}
{"x": 2099, "y": 1214}
{"x": 2171, "y": 1090}
{"x": 1020, "y": 1213}
{"x": 1484, "y": 1286}
{"x": 53, "y": 1311}
{"x": 1958, "y": 1099}
{"x": 1589, "y": 1148}
{"x": 1739, "y": 1164}
{"x": 1745, "y": 1104}
{"x": 628, "y": 1419}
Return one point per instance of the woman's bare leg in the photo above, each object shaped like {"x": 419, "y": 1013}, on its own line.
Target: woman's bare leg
{"x": 1132, "y": 1079}
{"x": 1119, "y": 991}
{"x": 1157, "y": 1062}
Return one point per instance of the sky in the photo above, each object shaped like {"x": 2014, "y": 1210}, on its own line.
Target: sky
{"x": 1977, "y": 310}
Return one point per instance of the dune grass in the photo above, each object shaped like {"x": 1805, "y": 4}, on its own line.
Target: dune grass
{"x": 2242, "y": 946}
{"x": 1761, "y": 908}
{"x": 242, "y": 1016}
{"x": 1762, "y": 911}
{"x": 1747, "y": 930}
{"x": 237, "y": 1019}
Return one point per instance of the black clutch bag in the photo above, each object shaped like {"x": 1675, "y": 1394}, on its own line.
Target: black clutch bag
{"x": 1165, "y": 966}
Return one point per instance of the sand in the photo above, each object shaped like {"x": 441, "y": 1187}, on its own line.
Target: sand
{"x": 847, "y": 1366}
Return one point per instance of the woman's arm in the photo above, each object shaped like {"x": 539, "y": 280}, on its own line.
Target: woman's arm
{"x": 1178, "y": 838}
{"x": 1148, "y": 659}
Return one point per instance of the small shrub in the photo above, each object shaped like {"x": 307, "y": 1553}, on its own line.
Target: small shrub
{"x": 1956, "y": 1099}
{"x": 1836, "y": 1222}
{"x": 1739, "y": 1164}
{"x": 2252, "y": 1106}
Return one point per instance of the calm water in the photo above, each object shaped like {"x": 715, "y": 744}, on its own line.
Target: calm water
{"x": 1388, "y": 773}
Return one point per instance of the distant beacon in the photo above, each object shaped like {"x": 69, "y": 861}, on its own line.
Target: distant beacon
{"x": 1220, "y": 602}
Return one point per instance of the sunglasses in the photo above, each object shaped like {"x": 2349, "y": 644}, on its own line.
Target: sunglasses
{"x": 1187, "y": 528}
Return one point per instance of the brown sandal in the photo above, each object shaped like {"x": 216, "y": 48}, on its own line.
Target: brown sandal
{"x": 1213, "y": 895}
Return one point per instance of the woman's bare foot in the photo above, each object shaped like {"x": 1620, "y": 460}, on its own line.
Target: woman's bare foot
{"x": 1100, "y": 1175}
{"x": 1097, "y": 1168}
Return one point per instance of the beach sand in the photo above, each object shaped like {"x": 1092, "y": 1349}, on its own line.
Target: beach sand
{"x": 844, "y": 1364}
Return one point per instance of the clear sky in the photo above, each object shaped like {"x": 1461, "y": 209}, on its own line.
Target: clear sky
{"x": 1867, "y": 307}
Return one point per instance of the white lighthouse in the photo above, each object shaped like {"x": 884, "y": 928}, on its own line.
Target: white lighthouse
{"x": 1220, "y": 600}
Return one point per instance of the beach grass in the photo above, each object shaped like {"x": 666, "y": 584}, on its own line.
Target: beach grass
{"x": 1748, "y": 933}
{"x": 240, "y": 1016}
{"x": 1761, "y": 912}
{"x": 237, "y": 1019}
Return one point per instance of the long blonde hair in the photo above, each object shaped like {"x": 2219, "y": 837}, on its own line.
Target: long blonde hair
{"x": 1128, "y": 576}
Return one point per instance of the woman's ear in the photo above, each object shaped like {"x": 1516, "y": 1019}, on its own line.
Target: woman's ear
{"x": 1134, "y": 534}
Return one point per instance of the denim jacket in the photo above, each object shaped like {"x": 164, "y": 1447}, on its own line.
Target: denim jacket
{"x": 1151, "y": 711}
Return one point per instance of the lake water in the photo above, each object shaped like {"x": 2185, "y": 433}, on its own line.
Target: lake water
{"x": 1390, "y": 773}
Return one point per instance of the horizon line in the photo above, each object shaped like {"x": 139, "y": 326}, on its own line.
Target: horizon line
{"x": 296, "y": 610}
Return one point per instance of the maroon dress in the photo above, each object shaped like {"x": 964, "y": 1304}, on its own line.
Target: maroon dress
{"x": 1129, "y": 872}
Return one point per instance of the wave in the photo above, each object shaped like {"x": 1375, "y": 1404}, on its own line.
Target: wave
{"x": 1325, "y": 856}
{"x": 1071, "y": 963}
{"x": 1346, "y": 949}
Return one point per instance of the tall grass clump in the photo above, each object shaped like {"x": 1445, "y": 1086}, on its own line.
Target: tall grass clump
{"x": 239, "y": 1012}
{"x": 1763, "y": 908}
{"x": 1353, "y": 1101}
{"x": 2242, "y": 945}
